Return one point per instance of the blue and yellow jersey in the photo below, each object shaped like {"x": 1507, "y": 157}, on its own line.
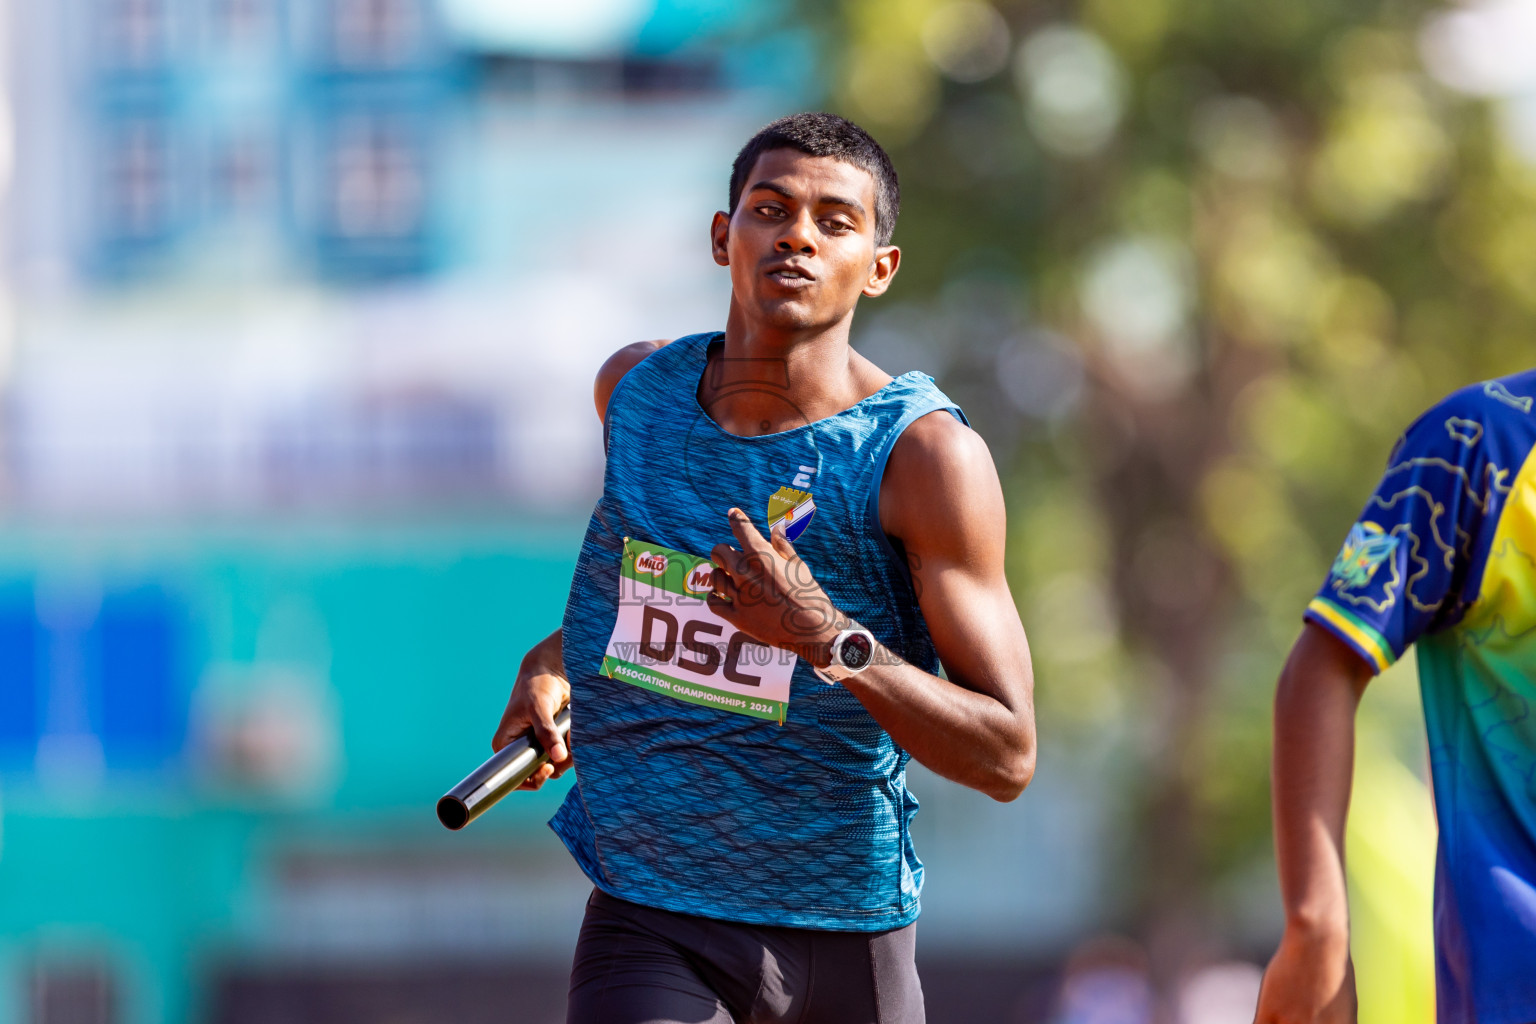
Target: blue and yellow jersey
{"x": 1444, "y": 556}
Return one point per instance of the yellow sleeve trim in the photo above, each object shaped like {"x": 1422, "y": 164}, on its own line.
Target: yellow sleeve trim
{"x": 1362, "y": 637}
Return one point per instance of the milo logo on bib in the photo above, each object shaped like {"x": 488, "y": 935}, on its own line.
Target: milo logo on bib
{"x": 667, "y": 640}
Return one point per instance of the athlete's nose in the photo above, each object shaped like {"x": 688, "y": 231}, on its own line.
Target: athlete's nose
{"x": 799, "y": 236}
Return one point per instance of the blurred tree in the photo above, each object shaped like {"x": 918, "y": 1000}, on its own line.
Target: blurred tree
{"x": 1192, "y": 267}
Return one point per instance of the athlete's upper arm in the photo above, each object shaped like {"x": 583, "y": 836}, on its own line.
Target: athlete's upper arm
{"x": 614, "y": 369}
{"x": 941, "y": 497}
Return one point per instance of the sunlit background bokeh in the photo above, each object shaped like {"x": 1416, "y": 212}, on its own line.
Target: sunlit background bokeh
{"x": 300, "y": 308}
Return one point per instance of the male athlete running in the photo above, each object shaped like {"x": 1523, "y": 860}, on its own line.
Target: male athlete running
{"x": 1443, "y": 556}
{"x": 788, "y": 544}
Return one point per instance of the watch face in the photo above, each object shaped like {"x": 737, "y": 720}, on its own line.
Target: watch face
{"x": 856, "y": 650}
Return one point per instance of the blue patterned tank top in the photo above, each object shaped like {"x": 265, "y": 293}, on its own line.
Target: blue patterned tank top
{"x": 716, "y": 776}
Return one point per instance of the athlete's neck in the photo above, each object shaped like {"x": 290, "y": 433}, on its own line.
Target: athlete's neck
{"x": 765, "y": 380}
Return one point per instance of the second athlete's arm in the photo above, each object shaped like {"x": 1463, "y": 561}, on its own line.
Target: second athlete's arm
{"x": 1309, "y": 978}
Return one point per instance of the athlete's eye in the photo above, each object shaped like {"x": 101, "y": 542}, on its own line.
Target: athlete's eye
{"x": 770, "y": 211}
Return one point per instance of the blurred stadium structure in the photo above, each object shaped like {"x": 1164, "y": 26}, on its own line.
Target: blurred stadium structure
{"x": 299, "y": 313}
{"x": 190, "y": 176}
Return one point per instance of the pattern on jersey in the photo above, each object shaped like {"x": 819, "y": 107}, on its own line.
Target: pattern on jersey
{"x": 1460, "y": 582}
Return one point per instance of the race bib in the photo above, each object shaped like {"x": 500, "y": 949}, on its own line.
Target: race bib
{"x": 667, "y": 640}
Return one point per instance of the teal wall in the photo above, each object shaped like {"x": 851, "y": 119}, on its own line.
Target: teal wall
{"x": 415, "y": 631}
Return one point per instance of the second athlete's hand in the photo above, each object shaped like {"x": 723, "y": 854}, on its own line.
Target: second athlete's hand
{"x": 1309, "y": 981}
{"x": 765, "y": 590}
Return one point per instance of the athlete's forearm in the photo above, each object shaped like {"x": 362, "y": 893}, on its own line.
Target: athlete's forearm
{"x": 982, "y": 737}
{"x": 1315, "y": 704}
{"x": 547, "y": 655}
{"x": 967, "y": 737}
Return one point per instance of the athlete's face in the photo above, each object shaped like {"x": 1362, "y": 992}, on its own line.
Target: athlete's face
{"x": 801, "y": 244}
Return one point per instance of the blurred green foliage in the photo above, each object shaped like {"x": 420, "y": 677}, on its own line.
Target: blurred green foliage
{"x": 1192, "y": 267}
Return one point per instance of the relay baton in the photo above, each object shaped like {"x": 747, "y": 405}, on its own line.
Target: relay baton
{"x": 502, "y": 772}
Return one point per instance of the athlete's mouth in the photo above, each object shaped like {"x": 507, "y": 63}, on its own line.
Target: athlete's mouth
{"x": 790, "y": 274}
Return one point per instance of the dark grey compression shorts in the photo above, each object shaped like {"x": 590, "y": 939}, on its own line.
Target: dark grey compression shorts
{"x": 638, "y": 965}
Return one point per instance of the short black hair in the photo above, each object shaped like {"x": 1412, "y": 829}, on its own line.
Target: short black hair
{"x": 818, "y": 134}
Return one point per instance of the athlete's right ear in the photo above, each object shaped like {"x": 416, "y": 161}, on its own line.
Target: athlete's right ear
{"x": 719, "y": 238}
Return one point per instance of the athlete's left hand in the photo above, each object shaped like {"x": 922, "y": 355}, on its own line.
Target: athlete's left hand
{"x": 767, "y": 591}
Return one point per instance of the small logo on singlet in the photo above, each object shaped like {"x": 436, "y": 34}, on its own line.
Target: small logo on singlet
{"x": 651, "y": 563}
{"x": 790, "y": 512}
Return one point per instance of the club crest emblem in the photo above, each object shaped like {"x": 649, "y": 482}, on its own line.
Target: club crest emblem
{"x": 1364, "y": 550}
{"x": 790, "y": 512}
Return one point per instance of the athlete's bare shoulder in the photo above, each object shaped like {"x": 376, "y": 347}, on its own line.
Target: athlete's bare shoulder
{"x": 938, "y": 444}
{"x": 616, "y": 366}
{"x": 941, "y": 481}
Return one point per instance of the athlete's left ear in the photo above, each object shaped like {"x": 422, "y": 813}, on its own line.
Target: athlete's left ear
{"x": 887, "y": 259}
{"x": 720, "y": 237}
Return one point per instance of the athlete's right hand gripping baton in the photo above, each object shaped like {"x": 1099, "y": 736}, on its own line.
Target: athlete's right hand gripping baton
{"x": 502, "y": 772}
